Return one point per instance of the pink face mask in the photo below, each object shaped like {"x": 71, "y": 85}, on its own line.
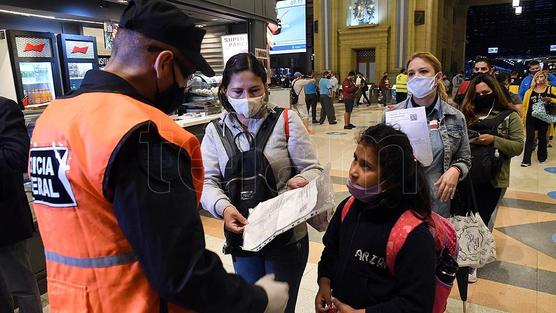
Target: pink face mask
{"x": 363, "y": 194}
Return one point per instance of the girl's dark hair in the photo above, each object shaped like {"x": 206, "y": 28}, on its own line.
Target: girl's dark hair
{"x": 402, "y": 176}
{"x": 502, "y": 101}
{"x": 239, "y": 63}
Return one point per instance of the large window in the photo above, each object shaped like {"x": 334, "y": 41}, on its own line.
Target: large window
{"x": 362, "y": 12}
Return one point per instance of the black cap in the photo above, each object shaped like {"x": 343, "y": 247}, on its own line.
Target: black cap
{"x": 162, "y": 21}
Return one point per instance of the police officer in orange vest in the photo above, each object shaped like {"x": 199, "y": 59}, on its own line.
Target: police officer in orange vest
{"x": 117, "y": 184}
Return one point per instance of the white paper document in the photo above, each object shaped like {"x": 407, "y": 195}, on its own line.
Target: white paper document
{"x": 413, "y": 122}
{"x": 280, "y": 214}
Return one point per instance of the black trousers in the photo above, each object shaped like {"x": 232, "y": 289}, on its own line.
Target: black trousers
{"x": 311, "y": 102}
{"x": 364, "y": 94}
{"x": 327, "y": 109}
{"x": 531, "y": 125}
{"x": 487, "y": 197}
{"x": 401, "y": 96}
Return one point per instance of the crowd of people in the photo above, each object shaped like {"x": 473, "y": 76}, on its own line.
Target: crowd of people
{"x": 125, "y": 234}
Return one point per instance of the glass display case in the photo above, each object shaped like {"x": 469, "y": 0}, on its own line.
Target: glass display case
{"x": 37, "y": 81}
{"x": 203, "y": 96}
{"x": 77, "y": 73}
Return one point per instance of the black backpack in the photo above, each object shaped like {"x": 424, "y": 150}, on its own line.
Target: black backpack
{"x": 248, "y": 178}
{"x": 486, "y": 161}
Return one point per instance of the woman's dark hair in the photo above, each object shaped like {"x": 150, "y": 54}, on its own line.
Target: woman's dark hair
{"x": 502, "y": 100}
{"x": 239, "y": 63}
{"x": 401, "y": 174}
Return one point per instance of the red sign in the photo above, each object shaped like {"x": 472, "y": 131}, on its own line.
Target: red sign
{"x": 31, "y": 47}
{"x": 82, "y": 50}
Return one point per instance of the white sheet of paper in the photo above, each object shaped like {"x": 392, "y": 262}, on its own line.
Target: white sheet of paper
{"x": 282, "y": 213}
{"x": 413, "y": 122}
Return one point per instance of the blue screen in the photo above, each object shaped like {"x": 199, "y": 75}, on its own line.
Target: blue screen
{"x": 290, "y": 36}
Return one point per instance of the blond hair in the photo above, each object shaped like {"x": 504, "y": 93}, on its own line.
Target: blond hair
{"x": 534, "y": 80}
{"x": 435, "y": 63}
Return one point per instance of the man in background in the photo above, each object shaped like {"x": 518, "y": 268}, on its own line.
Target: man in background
{"x": 456, "y": 82}
{"x": 401, "y": 86}
{"x": 348, "y": 91}
{"x": 327, "y": 106}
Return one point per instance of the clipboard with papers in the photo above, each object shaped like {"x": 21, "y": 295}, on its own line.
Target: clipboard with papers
{"x": 282, "y": 213}
{"x": 413, "y": 122}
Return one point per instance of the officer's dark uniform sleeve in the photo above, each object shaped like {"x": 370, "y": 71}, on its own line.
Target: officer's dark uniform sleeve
{"x": 14, "y": 141}
{"x": 156, "y": 208}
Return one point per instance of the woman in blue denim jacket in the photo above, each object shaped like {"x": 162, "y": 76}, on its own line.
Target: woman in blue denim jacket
{"x": 448, "y": 130}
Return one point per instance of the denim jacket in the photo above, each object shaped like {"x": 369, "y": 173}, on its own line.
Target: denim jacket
{"x": 453, "y": 130}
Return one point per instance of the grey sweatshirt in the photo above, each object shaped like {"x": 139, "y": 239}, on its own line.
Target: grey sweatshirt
{"x": 287, "y": 157}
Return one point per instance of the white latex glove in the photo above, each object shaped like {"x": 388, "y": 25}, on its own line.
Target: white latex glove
{"x": 277, "y": 293}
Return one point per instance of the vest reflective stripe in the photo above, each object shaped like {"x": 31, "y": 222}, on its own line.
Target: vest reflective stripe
{"x": 99, "y": 262}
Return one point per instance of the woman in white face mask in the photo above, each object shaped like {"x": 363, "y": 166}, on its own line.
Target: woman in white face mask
{"x": 447, "y": 129}
{"x": 236, "y": 152}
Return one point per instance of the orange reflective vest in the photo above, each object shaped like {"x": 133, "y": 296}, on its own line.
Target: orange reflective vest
{"x": 90, "y": 264}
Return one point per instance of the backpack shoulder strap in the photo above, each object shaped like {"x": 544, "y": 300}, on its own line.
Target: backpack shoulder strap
{"x": 346, "y": 207}
{"x": 500, "y": 118}
{"x": 407, "y": 222}
{"x": 226, "y": 138}
{"x": 266, "y": 128}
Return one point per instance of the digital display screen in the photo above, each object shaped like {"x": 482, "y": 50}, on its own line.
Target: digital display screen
{"x": 289, "y": 36}
{"x": 493, "y": 50}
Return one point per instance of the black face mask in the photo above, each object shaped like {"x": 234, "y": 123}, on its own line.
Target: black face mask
{"x": 533, "y": 72}
{"x": 170, "y": 99}
{"x": 484, "y": 101}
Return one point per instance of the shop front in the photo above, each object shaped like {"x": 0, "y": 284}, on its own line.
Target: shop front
{"x": 47, "y": 47}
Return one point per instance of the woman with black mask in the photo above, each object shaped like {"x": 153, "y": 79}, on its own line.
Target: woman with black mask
{"x": 492, "y": 122}
{"x": 495, "y": 135}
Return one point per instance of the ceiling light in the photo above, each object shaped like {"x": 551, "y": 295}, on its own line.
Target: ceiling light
{"x": 515, "y": 3}
{"x": 48, "y": 17}
{"x": 200, "y": 25}
{"x": 28, "y": 14}
{"x": 214, "y": 19}
{"x": 518, "y": 10}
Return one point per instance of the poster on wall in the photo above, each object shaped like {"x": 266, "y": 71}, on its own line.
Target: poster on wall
{"x": 289, "y": 35}
{"x": 234, "y": 44}
{"x": 110, "y": 30}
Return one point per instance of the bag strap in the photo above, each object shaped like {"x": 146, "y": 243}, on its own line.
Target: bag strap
{"x": 405, "y": 224}
{"x": 502, "y": 116}
{"x": 266, "y": 128}
{"x": 346, "y": 207}
{"x": 226, "y": 138}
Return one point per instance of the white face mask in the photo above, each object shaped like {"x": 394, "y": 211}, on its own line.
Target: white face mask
{"x": 248, "y": 107}
{"x": 421, "y": 87}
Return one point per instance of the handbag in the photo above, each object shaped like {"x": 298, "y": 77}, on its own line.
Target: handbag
{"x": 540, "y": 112}
{"x": 476, "y": 243}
